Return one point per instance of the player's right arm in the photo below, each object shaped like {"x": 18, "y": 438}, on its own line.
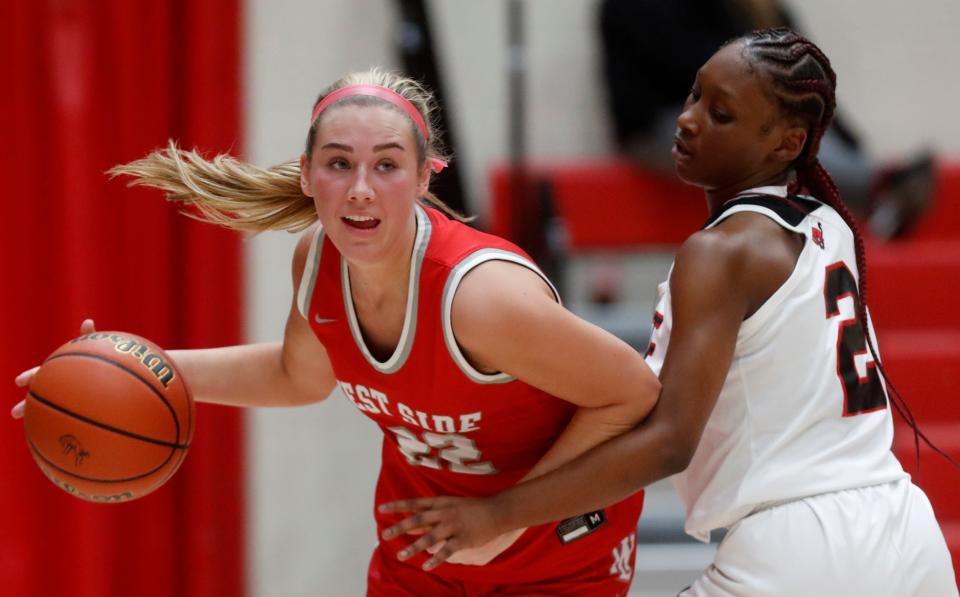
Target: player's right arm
{"x": 293, "y": 372}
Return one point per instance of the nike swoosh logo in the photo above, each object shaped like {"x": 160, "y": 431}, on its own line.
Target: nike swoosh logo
{"x": 319, "y": 319}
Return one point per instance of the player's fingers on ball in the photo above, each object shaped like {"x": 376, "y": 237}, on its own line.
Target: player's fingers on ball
{"x": 17, "y": 411}
{"x": 24, "y": 378}
{"x": 87, "y": 326}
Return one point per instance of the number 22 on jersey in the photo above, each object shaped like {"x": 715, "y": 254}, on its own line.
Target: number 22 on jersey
{"x": 457, "y": 452}
{"x": 861, "y": 394}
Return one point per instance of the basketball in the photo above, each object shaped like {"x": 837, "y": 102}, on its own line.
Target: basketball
{"x": 108, "y": 418}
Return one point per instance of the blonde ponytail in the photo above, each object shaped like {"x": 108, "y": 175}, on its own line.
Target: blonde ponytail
{"x": 225, "y": 190}
{"x": 239, "y": 195}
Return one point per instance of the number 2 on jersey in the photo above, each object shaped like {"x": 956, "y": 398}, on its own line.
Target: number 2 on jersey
{"x": 860, "y": 394}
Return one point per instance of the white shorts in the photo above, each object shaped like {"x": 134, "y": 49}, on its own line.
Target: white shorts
{"x": 879, "y": 541}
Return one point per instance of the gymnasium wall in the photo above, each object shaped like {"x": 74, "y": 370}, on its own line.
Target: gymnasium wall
{"x": 312, "y": 470}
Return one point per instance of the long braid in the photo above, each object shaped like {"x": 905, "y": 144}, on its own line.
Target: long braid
{"x": 804, "y": 84}
{"x": 818, "y": 181}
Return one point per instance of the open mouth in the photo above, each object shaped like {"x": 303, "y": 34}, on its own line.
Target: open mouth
{"x": 361, "y": 222}
{"x": 680, "y": 149}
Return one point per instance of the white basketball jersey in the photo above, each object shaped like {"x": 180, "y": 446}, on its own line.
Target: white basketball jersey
{"x": 803, "y": 410}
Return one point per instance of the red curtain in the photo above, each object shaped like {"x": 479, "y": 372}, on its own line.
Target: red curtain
{"x": 89, "y": 84}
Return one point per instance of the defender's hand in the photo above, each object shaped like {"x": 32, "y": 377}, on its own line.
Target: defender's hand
{"x": 452, "y": 526}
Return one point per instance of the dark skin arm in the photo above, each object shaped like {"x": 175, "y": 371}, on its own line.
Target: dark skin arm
{"x": 720, "y": 277}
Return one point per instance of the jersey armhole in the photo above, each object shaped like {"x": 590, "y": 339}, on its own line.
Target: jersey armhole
{"x": 456, "y": 276}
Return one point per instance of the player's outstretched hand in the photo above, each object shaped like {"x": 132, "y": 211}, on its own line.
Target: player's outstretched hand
{"x": 23, "y": 380}
{"x": 457, "y": 530}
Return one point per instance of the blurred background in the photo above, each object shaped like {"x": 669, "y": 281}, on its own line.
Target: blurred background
{"x": 279, "y": 502}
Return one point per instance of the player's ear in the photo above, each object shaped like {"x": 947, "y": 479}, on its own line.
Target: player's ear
{"x": 792, "y": 141}
{"x": 304, "y": 183}
{"x": 423, "y": 179}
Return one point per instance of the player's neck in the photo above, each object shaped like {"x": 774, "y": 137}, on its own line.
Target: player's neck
{"x": 389, "y": 274}
{"x": 717, "y": 197}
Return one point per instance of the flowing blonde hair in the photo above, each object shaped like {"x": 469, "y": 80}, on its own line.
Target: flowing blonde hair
{"x": 242, "y": 196}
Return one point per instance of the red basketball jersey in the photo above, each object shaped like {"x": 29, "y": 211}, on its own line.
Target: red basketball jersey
{"x": 448, "y": 428}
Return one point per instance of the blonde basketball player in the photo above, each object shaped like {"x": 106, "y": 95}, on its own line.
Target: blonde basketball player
{"x": 451, "y": 340}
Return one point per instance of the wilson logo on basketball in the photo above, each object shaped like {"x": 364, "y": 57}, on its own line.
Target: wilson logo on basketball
{"x": 117, "y": 497}
{"x": 152, "y": 361}
{"x": 71, "y": 445}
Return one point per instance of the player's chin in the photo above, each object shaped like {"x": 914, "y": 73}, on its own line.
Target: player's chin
{"x": 688, "y": 174}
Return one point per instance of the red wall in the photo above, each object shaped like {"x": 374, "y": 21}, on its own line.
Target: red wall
{"x": 89, "y": 84}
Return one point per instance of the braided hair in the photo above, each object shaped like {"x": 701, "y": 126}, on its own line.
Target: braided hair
{"x": 804, "y": 86}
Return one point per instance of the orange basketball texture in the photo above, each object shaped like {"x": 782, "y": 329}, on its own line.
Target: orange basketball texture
{"x": 108, "y": 417}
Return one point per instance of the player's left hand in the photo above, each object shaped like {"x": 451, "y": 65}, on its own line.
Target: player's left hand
{"x": 458, "y": 530}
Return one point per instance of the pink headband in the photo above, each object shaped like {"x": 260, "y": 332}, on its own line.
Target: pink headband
{"x": 387, "y": 95}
